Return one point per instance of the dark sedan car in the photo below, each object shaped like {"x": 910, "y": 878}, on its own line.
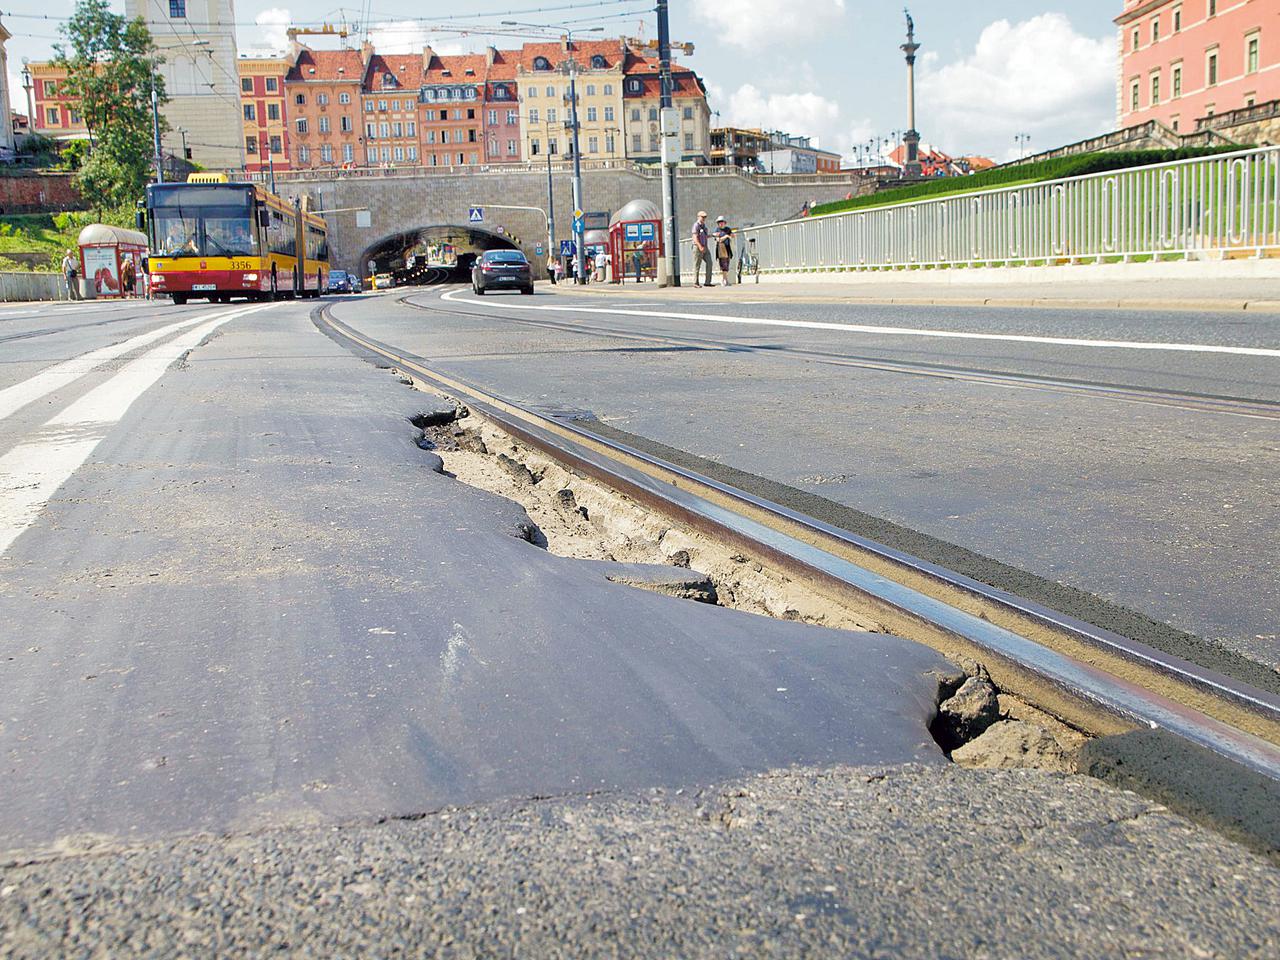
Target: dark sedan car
{"x": 502, "y": 269}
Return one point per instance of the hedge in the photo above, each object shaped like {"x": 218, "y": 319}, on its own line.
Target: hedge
{"x": 1055, "y": 169}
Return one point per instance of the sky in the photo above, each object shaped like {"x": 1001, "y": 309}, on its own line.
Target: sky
{"x": 830, "y": 69}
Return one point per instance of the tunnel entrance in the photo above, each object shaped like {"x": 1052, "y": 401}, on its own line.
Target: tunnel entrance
{"x": 431, "y": 254}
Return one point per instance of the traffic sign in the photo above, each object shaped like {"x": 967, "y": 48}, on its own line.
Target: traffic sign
{"x": 567, "y": 249}
{"x": 579, "y": 225}
{"x": 476, "y": 215}
{"x": 577, "y": 214}
{"x": 538, "y": 249}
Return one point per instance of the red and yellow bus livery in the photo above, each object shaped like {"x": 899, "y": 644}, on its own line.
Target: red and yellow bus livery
{"x": 219, "y": 240}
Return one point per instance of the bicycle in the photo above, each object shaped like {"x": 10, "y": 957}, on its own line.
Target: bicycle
{"x": 749, "y": 262}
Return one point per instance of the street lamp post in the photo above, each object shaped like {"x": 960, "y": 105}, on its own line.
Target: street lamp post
{"x": 26, "y": 85}
{"x": 580, "y": 254}
{"x": 1022, "y": 139}
{"x": 155, "y": 126}
{"x": 670, "y": 160}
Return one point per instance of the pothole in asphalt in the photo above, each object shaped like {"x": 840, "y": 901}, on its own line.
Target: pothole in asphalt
{"x": 577, "y": 517}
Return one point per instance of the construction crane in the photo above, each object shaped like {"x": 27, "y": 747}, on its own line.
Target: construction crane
{"x": 639, "y": 43}
{"x": 328, "y": 30}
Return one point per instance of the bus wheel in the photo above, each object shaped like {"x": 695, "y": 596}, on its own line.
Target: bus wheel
{"x": 295, "y": 292}
{"x": 275, "y": 288}
{"x": 179, "y": 299}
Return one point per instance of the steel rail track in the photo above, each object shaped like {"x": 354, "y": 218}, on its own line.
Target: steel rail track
{"x": 1095, "y": 680}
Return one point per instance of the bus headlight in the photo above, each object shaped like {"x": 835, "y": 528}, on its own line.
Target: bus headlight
{"x": 157, "y": 278}
{"x": 250, "y": 278}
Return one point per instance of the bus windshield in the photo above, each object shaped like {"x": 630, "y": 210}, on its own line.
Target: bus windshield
{"x": 203, "y": 221}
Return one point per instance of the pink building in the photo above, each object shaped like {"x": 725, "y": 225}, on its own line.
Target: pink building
{"x": 1182, "y": 60}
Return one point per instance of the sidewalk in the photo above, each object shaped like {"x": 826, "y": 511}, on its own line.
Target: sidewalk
{"x": 1081, "y": 287}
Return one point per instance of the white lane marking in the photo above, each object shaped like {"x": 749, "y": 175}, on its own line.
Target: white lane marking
{"x": 32, "y": 472}
{"x": 897, "y": 331}
{"x": 45, "y": 382}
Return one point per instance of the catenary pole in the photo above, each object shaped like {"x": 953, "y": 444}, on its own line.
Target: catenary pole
{"x": 669, "y": 158}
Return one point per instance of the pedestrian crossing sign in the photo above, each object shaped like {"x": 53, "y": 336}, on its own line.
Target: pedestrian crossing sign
{"x": 476, "y": 215}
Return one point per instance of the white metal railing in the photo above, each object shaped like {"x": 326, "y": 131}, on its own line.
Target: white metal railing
{"x": 1226, "y": 202}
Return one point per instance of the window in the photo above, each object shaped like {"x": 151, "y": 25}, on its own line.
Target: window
{"x": 1136, "y": 38}
{"x": 51, "y": 88}
{"x": 444, "y": 136}
{"x": 493, "y": 117}
{"x": 1251, "y": 55}
{"x": 608, "y": 89}
{"x": 653, "y": 114}
{"x": 511, "y": 148}
{"x": 322, "y": 99}
{"x": 371, "y": 155}
{"x": 471, "y": 136}
{"x": 342, "y": 97}
{"x": 249, "y": 112}
{"x": 553, "y": 145}
{"x": 593, "y": 144}
{"x": 688, "y": 113}
{"x": 444, "y": 114}
{"x": 533, "y": 114}
{"x": 608, "y": 143}
{"x": 1177, "y": 19}
{"x": 688, "y": 141}
{"x": 395, "y": 104}
{"x": 1250, "y": 99}
{"x": 324, "y": 124}
{"x": 431, "y": 136}
{"x": 302, "y": 124}
{"x": 348, "y": 153}
{"x": 541, "y": 63}
{"x": 1133, "y": 96}
{"x": 397, "y": 129}
{"x": 1212, "y": 69}
{"x": 76, "y": 120}
{"x": 1213, "y": 8}
{"x": 471, "y": 113}
{"x": 273, "y": 111}
{"x": 653, "y": 143}
{"x": 1155, "y": 89}
{"x": 634, "y": 85}
{"x": 178, "y": 8}
{"x": 635, "y": 114}
{"x": 412, "y": 154}
{"x": 411, "y": 129}
{"x": 591, "y": 89}
{"x": 551, "y": 115}
{"x": 272, "y": 85}
{"x": 513, "y": 117}
{"x": 399, "y": 154}
{"x": 551, "y": 92}
{"x": 371, "y": 131}
{"x": 326, "y": 153}
{"x": 1177, "y": 81}
{"x": 435, "y": 159}
{"x": 386, "y": 154}
{"x": 304, "y": 154}
{"x": 635, "y": 142}
{"x": 382, "y": 105}
{"x": 461, "y": 159}
{"x": 384, "y": 130}
{"x": 597, "y": 62}
{"x": 300, "y": 99}
{"x": 250, "y": 144}
{"x": 534, "y": 147}
{"x": 608, "y": 114}
{"x": 1155, "y": 30}
{"x": 345, "y": 125}
{"x": 501, "y": 92}
{"x": 246, "y": 84}
{"x": 276, "y": 145}
{"x": 457, "y": 114}
{"x": 1175, "y": 125}
{"x": 368, "y": 106}
{"x": 591, "y": 114}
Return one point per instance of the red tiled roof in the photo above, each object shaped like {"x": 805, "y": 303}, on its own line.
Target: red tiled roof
{"x": 405, "y": 67}
{"x": 328, "y": 65}
{"x": 453, "y": 68}
{"x": 583, "y": 50}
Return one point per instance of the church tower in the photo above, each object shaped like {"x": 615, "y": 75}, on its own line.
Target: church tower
{"x": 197, "y": 39}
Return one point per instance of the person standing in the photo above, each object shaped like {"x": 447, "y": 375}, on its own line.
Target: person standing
{"x": 71, "y": 273}
{"x": 724, "y": 248}
{"x": 127, "y": 277}
{"x": 701, "y": 252}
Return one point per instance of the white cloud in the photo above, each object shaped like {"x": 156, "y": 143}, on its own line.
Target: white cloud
{"x": 408, "y": 36}
{"x": 1037, "y": 76}
{"x": 760, "y": 24}
{"x": 799, "y": 114}
{"x": 271, "y": 36}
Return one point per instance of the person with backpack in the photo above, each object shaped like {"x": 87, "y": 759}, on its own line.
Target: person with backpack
{"x": 724, "y": 248}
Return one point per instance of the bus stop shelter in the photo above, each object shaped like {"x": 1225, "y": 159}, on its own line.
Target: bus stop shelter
{"x": 103, "y": 252}
{"x": 635, "y": 241}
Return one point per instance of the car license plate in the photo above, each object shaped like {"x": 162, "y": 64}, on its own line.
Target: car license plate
{"x": 204, "y": 286}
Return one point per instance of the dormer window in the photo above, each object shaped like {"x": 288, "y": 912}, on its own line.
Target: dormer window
{"x": 446, "y": 73}
{"x": 597, "y": 62}
{"x": 469, "y": 72}
{"x": 541, "y": 63}
{"x": 633, "y": 86}
{"x": 500, "y": 92}
{"x": 389, "y": 80}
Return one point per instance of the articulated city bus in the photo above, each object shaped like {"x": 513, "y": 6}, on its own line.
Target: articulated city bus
{"x": 215, "y": 239}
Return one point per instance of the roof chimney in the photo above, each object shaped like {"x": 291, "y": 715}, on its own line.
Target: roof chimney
{"x": 490, "y": 55}
{"x": 427, "y": 56}
{"x": 366, "y": 52}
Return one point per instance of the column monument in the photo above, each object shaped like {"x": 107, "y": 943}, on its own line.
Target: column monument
{"x": 911, "y": 139}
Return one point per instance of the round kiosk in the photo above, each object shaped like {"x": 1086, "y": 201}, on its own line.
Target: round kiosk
{"x": 635, "y": 242}
{"x": 104, "y": 251}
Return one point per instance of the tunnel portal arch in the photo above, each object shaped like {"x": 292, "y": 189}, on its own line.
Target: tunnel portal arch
{"x": 391, "y": 253}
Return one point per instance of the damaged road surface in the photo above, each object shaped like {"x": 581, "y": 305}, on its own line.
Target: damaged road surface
{"x": 269, "y": 679}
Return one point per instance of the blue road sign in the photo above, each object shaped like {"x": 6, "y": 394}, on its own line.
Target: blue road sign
{"x": 579, "y": 225}
{"x": 476, "y": 215}
{"x": 646, "y": 231}
{"x": 567, "y": 249}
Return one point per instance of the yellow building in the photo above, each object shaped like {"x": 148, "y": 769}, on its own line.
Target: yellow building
{"x": 542, "y": 79}
{"x": 642, "y": 98}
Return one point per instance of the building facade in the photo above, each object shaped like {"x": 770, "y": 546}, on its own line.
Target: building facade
{"x": 542, "y": 79}
{"x": 56, "y": 116}
{"x": 262, "y": 105}
{"x": 324, "y": 107}
{"x": 198, "y": 42}
{"x": 642, "y": 129}
{"x": 1184, "y": 60}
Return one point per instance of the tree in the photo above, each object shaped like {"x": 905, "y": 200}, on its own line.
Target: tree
{"x": 111, "y": 64}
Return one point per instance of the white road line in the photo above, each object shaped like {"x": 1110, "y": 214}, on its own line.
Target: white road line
{"x": 897, "y": 331}
{"x": 54, "y": 378}
{"x": 32, "y": 472}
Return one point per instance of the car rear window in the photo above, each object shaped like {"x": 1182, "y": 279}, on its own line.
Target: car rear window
{"x": 505, "y": 256}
